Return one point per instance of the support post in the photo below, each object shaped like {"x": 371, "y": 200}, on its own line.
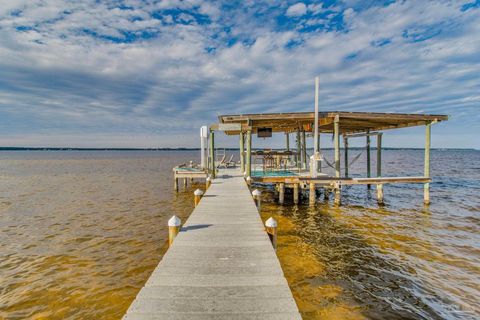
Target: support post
{"x": 299, "y": 151}
{"x": 336, "y": 142}
{"x": 185, "y": 183}
{"x": 304, "y": 151}
{"x": 242, "y": 152}
{"x": 379, "y": 168}
{"x": 380, "y": 193}
{"x": 248, "y": 169}
{"x": 368, "y": 157}
{"x": 311, "y": 195}
{"x": 212, "y": 154}
{"x": 426, "y": 173}
{"x": 287, "y": 141}
{"x": 175, "y": 183}
{"x": 319, "y": 167}
{"x": 197, "y": 196}
{"x": 345, "y": 143}
{"x": 281, "y": 193}
{"x": 337, "y": 200}
{"x": 271, "y": 228}
{"x": 257, "y": 196}
{"x": 173, "y": 228}
{"x": 295, "y": 193}
{"x": 208, "y": 182}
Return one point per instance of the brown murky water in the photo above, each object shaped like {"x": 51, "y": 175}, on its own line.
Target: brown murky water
{"x": 80, "y": 233}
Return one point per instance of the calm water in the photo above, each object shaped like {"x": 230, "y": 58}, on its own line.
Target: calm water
{"x": 80, "y": 233}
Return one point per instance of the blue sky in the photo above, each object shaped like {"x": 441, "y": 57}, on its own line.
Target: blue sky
{"x": 137, "y": 73}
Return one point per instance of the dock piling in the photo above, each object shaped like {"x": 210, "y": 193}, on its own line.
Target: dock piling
{"x": 380, "y": 193}
{"x": 271, "y": 228}
{"x": 249, "y": 180}
{"x": 257, "y": 196}
{"x": 197, "y": 196}
{"x": 312, "y": 195}
{"x": 295, "y": 193}
{"x": 208, "y": 182}
{"x": 426, "y": 186}
{"x": 173, "y": 228}
{"x": 281, "y": 193}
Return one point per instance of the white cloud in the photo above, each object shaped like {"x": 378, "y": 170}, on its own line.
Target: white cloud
{"x": 59, "y": 79}
{"x": 296, "y": 10}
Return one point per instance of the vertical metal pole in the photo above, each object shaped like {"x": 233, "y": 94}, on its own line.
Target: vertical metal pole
{"x": 249, "y": 153}
{"x": 242, "y": 152}
{"x": 212, "y": 154}
{"x": 345, "y": 142}
{"x": 426, "y": 174}
{"x": 368, "y": 157}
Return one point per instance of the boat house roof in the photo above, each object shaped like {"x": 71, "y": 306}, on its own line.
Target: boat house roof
{"x": 349, "y": 122}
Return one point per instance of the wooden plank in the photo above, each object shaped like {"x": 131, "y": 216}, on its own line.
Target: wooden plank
{"x": 220, "y": 266}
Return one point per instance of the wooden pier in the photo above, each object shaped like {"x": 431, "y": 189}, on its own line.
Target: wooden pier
{"x": 220, "y": 266}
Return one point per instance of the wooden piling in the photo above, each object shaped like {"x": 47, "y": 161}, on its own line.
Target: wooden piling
{"x": 426, "y": 174}
{"x": 248, "y": 169}
{"x": 173, "y": 228}
{"x": 271, "y": 228}
{"x": 197, "y": 196}
{"x": 368, "y": 156}
{"x": 379, "y": 169}
{"x": 312, "y": 195}
{"x": 257, "y": 196}
{"x": 281, "y": 193}
{"x": 208, "y": 182}
{"x": 175, "y": 184}
{"x": 185, "y": 183}
{"x": 242, "y": 151}
{"x": 295, "y": 193}
{"x": 337, "y": 200}
{"x": 212, "y": 154}
{"x": 336, "y": 142}
{"x": 345, "y": 143}
{"x": 380, "y": 193}
{"x": 298, "y": 156}
{"x": 304, "y": 150}
{"x": 379, "y": 155}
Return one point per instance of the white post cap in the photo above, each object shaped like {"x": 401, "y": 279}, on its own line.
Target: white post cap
{"x": 256, "y": 192}
{"x": 198, "y": 192}
{"x": 271, "y": 223}
{"x": 209, "y": 178}
{"x": 244, "y": 173}
{"x": 174, "y": 222}
{"x": 249, "y": 179}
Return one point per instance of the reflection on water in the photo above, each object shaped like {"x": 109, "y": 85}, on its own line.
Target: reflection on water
{"x": 401, "y": 261}
{"x": 80, "y": 232}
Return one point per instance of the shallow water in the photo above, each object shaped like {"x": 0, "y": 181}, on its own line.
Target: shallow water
{"x": 80, "y": 233}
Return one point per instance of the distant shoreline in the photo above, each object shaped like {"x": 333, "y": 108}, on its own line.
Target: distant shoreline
{"x": 189, "y": 149}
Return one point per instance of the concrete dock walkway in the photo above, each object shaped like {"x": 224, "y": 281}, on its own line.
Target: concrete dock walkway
{"x": 221, "y": 265}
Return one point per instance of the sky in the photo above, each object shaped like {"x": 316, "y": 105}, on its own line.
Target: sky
{"x": 132, "y": 73}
